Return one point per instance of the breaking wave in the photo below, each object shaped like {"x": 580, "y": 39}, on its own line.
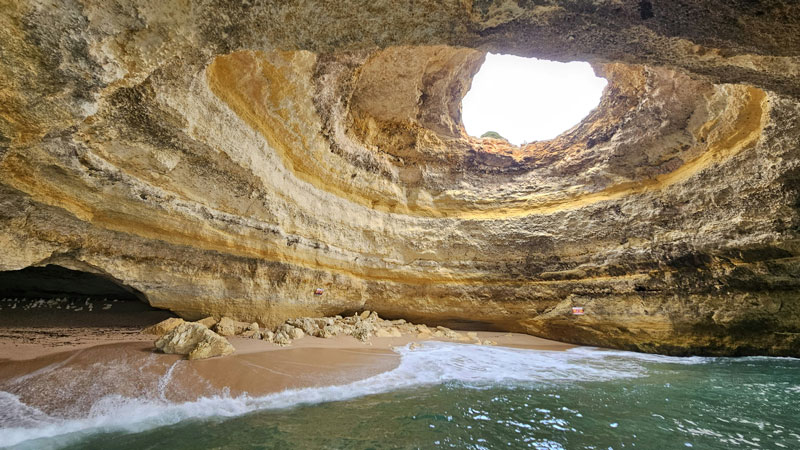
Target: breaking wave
{"x": 428, "y": 364}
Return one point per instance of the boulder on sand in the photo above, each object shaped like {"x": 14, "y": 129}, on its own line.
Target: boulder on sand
{"x": 163, "y": 327}
{"x": 195, "y": 340}
{"x": 252, "y": 332}
{"x": 286, "y": 333}
{"x": 363, "y": 330}
{"x": 388, "y": 332}
{"x": 282, "y": 339}
{"x": 208, "y": 321}
{"x": 229, "y": 327}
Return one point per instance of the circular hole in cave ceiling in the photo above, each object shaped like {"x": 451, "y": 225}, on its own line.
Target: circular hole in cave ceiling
{"x": 528, "y": 99}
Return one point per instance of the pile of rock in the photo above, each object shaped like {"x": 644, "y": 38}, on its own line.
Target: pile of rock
{"x": 193, "y": 339}
{"x": 363, "y": 327}
{"x": 197, "y": 340}
{"x": 229, "y": 327}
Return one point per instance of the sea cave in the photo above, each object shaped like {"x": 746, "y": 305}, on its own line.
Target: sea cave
{"x": 255, "y": 173}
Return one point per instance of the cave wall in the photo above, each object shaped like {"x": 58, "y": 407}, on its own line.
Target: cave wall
{"x": 226, "y": 158}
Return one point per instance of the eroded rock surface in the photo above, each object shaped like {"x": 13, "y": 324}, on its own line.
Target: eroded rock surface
{"x": 229, "y": 327}
{"x": 163, "y": 327}
{"x": 229, "y": 159}
{"x": 362, "y": 326}
{"x": 194, "y": 340}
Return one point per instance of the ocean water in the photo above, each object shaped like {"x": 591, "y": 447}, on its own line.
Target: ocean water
{"x": 446, "y": 395}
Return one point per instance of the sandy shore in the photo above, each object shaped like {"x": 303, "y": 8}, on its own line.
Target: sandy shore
{"x": 64, "y": 373}
{"x": 30, "y": 330}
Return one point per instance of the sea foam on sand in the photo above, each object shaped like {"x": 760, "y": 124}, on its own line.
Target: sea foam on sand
{"x": 426, "y": 364}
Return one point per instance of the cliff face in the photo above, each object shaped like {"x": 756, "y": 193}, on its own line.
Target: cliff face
{"x": 229, "y": 159}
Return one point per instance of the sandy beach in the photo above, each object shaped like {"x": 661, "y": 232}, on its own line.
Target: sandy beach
{"x": 62, "y": 369}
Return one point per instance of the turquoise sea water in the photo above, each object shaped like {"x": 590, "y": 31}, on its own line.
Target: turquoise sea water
{"x": 447, "y": 395}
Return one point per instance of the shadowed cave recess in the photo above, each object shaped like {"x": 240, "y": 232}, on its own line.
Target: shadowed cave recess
{"x": 54, "y": 281}
{"x": 54, "y": 296}
{"x": 230, "y": 159}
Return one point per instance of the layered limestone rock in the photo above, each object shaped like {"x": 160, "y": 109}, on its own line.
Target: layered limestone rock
{"x": 229, "y": 159}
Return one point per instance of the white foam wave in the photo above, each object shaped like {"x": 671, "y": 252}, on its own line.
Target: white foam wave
{"x": 163, "y": 382}
{"x": 642, "y": 357}
{"x": 432, "y": 363}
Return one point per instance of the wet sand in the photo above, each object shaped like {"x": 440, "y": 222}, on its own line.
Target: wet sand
{"x": 68, "y": 383}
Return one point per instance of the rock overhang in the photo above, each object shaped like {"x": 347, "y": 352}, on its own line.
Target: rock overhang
{"x": 221, "y": 160}
{"x": 387, "y": 116}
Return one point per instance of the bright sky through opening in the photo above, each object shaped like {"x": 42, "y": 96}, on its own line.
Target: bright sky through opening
{"x": 527, "y": 99}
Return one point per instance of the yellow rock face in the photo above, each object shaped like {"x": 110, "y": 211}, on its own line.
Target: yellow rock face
{"x": 163, "y": 327}
{"x": 230, "y": 161}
